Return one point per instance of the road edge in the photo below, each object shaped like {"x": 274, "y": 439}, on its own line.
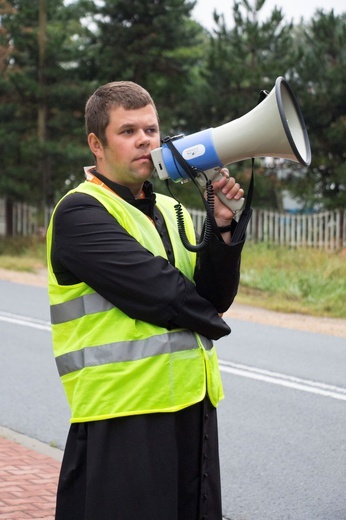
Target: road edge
{"x": 31, "y": 444}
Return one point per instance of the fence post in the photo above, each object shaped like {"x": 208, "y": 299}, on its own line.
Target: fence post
{"x": 341, "y": 242}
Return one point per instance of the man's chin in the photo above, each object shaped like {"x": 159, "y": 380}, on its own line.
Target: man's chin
{"x": 144, "y": 173}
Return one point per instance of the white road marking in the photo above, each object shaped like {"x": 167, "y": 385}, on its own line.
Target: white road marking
{"x": 26, "y": 321}
{"x": 275, "y": 378}
{"x": 250, "y": 372}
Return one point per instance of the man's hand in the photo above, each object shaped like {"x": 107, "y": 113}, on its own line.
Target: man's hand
{"x": 232, "y": 190}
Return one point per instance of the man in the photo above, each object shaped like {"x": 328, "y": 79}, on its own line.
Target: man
{"x": 133, "y": 315}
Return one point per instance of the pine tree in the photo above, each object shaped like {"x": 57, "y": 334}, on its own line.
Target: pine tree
{"x": 320, "y": 82}
{"x": 154, "y": 43}
{"x": 242, "y": 60}
{"x": 245, "y": 59}
{"x": 41, "y": 97}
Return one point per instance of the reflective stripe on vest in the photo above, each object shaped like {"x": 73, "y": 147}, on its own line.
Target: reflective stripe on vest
{"x": 78, "y": 307}
{"x": 128, "y": 351}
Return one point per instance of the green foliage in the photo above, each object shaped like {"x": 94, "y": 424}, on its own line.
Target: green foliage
{"x": 320, "y": 84}
{"x": 154, "y": 44}
{"x": 54, "y": 54}
{"x": 42, "y": 100}
{"x": 243, "y": 60}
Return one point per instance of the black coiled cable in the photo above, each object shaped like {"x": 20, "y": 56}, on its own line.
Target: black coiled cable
{"x": 210, "y": 223}
{"x": 207, "y": 230}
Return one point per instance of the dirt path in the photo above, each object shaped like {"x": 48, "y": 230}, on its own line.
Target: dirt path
{"x": 330, "y": 326}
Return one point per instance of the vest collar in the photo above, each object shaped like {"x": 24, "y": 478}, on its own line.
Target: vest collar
{"x": 146, "y": 205}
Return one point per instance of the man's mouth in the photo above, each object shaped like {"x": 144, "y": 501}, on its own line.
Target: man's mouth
{"x": 144, "y": 157}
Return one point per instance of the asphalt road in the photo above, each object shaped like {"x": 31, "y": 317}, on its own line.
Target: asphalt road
{"x": 282, "y": 423}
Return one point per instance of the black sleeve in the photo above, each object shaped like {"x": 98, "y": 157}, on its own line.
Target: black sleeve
{"x": 89, "y": 245}
{"x": 218, "y": 271}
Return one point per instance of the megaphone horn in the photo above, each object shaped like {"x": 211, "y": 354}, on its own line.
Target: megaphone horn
{"x": 274, "y": 128}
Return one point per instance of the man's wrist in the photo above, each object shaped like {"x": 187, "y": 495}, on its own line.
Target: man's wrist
{"x": 225, "y": 229}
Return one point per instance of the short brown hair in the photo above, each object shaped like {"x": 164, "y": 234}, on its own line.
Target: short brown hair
{"x": 124, "y": 94}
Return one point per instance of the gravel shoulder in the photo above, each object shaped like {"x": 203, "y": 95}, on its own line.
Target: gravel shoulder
{"x": 329, "y": 326}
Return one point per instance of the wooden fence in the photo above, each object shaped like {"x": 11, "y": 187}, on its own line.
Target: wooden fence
{"x": 326, "y": 229}
{"x": 17, "y": 218}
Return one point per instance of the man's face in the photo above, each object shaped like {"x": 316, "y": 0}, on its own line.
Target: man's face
{"x": 131, "y": 136}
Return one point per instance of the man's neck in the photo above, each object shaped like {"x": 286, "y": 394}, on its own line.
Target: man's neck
{"x": 124, "y": 191}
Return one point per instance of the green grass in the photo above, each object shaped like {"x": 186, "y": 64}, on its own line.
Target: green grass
{"x": 23, "y": 253}
{"x": 306, "y": 281}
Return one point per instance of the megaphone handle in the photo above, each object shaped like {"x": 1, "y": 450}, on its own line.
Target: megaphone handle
{"x": 215, "y": 175}
{"x": 233, "y": 204}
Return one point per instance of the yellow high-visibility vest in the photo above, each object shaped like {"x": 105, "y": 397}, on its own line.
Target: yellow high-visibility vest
{"x": 112, "y": 365}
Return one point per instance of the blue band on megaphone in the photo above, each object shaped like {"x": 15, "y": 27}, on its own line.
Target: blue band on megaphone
{"x": 197, "y": 149}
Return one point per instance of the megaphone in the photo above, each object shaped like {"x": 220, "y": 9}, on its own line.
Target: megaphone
{"x": 274, "y": 128}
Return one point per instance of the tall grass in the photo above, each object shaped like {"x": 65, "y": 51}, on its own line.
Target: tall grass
{"x": 23, "y": 253}
{"x": 307, "y": 281}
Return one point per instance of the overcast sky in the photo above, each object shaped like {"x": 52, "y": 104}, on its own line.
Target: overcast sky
{"x": 292, "y": 9}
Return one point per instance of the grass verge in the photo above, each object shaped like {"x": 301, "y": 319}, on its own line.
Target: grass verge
{"x": 305, "y": 281}
{"x": 27, "y": 254}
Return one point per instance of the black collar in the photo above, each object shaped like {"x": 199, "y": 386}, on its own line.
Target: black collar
{"x": 145, "y": 205}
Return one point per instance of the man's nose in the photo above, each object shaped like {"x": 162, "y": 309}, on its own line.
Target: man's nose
{"x": 143, "y": 138}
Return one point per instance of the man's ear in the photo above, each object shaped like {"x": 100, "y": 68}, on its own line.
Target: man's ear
{"x": 95, "y": 145}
